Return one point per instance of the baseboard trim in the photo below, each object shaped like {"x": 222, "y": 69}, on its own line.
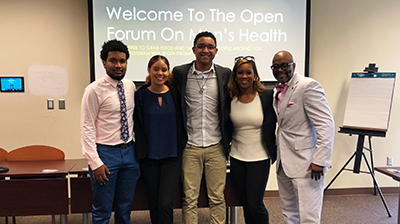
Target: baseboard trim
{"x": 344, "y": 191}
{"x": 355, "y": 191}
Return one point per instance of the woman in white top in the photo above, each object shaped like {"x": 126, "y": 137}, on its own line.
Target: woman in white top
{"x": 251, "y": 127}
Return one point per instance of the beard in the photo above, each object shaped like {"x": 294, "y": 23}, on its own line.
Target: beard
{"x": 118, "y": 77}
{"x": 288, "y": 75}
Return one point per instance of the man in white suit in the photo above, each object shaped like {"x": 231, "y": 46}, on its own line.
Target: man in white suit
{"x": 304, "y": 139}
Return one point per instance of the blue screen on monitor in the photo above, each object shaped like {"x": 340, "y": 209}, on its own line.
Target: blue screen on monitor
{"x": 12, "y": 84}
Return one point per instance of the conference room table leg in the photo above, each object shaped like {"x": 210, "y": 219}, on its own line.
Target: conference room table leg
{"x": 64, "y": 219}
{"x": 86, "y": 218}
{"x": 398, "y": 211}
{"x": 233, "y": 216}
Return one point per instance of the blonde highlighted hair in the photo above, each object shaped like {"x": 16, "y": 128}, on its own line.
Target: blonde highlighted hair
{"x": 233, "y": 88}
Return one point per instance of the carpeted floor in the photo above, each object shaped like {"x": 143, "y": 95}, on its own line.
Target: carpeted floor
{"x": 357, "y": 209}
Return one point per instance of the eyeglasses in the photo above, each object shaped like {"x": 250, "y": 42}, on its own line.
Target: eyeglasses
{"x": 249, "y": 58}
{"x": 283, "y": 66}
{"x": 203, "y": 46}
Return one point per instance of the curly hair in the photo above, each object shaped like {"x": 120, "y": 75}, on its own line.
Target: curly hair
{"x": 233, "y": 88}
{"x": 113, "y": 45}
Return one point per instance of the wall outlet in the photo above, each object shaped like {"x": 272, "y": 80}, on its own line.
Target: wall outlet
{"x": 390, "y": 161}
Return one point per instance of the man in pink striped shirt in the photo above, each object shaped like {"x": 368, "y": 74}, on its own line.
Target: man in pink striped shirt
{"x": 113, "y": 167}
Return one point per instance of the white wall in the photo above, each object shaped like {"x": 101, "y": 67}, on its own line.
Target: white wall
{"x": 43, "y": 32}
{"x": 346, "y": 35}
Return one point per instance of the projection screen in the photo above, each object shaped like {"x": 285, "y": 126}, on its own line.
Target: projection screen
{"x": 259, "y": 28}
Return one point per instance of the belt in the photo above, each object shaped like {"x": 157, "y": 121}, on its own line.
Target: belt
{"x": 205, "y": 146}
{"x": 120, "y": 146}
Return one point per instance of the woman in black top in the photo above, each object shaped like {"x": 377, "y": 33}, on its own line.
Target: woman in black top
{"x": 160, "y": 138}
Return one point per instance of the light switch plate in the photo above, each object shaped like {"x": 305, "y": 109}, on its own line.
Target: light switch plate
{"x": 61, "y": 104}
{"x": 50, "y": 104}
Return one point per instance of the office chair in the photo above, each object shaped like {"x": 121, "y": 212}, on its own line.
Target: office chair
{"x": 3, "y": 154}
{"x": 35, "y": 153}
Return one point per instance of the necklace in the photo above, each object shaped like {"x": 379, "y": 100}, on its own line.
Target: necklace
{"x": 204, "y": 82}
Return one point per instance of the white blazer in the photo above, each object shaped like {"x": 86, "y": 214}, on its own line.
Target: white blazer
{"x": 305, "y": 127}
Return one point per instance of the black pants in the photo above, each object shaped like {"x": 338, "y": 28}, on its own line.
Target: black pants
{"x": 250, "y": 180}
{"x": 161, "y": 178}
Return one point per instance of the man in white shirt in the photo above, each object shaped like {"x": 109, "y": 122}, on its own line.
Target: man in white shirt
{"x": 201, "y": 84}
{"x": 107, "y": 137}
{"x": 304, "y": 139}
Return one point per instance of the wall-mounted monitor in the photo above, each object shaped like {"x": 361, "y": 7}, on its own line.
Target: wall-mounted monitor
{"x": 258, "y": 28}
{"x": 12, "y": 84}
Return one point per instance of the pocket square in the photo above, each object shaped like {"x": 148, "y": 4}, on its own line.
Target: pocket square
{"x": 290, "y": 103}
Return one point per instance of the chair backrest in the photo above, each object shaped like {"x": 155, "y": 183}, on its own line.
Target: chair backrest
{"x": 35, "y": 152}
{"x": 3, "y": 154}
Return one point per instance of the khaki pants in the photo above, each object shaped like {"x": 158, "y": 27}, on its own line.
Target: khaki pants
{"x": 212, "y": 160}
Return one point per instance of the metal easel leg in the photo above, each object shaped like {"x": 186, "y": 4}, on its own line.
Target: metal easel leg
{"x": 344, "y": 167}
{"x": 372, "y": 159}
{"x": 377, "y": 186}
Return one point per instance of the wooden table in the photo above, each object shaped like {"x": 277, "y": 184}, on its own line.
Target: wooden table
{"x": 35, "y": 188}
{"x": 81, "y": 194}
{"x": 393, "y": 172}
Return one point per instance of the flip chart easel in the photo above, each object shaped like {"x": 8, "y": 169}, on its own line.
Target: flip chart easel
{"x": 367, "y": 114}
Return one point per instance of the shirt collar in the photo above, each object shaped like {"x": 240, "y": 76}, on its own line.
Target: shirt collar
{"x": 197, "y": 72}
{"x": 290, "y": 82}
{"x": 112, "y": 81}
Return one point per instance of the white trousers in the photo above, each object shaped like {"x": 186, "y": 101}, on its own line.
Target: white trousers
{"x": 301, "y": 198}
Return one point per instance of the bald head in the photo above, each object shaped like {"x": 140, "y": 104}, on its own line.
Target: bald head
{"x": 283, "y": 54}
{"x": 283, "y": 66}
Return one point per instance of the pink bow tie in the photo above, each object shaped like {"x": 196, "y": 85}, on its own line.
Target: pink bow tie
{"x": 281, "y": 87}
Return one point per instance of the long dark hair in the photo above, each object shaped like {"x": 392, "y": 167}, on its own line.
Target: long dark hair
{"x": 153, "y": 60}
